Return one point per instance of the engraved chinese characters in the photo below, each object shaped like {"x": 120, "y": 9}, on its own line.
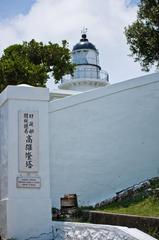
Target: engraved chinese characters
{"x": 29, "y": 131}
{"x": 28, "y": 142}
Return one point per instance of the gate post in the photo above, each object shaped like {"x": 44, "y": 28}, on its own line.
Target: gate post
{"x": 25, "y": 204}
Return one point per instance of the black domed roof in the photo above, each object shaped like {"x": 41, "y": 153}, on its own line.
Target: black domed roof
{"x": 84, "y": 44}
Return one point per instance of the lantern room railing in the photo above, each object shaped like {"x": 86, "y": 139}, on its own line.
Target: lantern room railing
{"x": 86, "y": 73}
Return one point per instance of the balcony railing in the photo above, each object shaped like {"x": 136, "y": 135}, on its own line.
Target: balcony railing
{"x": 86, "y": 73}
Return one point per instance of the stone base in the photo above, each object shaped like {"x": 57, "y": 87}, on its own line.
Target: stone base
{"x": 26, "y": 219}
{"x": 3, "y": 218}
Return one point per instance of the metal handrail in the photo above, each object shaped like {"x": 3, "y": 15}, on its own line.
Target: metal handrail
{"x": 83, "y": 73}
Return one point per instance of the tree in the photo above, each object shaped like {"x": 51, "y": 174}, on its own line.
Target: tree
{"x": 33, "y": 62}
{"x": 143, "y": 35}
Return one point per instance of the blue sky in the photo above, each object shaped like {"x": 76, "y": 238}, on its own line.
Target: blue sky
{"x": 11, "y": 8}
{"x": 132, "y": 2}
{"x": 56, "y": 20}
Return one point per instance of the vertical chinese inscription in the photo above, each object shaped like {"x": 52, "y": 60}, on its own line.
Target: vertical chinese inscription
{"x": 28, "y": 142}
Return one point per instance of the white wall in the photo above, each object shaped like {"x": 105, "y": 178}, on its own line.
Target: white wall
{"x": 24, "y": 212}
{"x": 104, "y": 140}
{"x": 3, "y": 166}
{"x": 101, "y": 141}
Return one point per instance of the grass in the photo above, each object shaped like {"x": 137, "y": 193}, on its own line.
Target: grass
{"x": 141, "y": 206}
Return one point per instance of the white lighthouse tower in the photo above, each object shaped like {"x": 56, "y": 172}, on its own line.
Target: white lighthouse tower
{"x": 87, "y": 74}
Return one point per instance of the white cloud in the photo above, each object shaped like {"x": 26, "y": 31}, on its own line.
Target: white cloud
{"x": 55, "y": 20}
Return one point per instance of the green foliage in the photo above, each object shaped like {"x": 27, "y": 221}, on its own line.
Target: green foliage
{"x": 153, "y": 231}
{"x": 144, "y": 201}
{"x": 140, "y": 206}
{"x": 154, "y": 182}
{"x": 32, "y": 63}
{"x": 143, "y": 35}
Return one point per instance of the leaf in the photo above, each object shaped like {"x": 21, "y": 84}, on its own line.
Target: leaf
{"x": 143, "y": 35}
{"x": 32, "y": 62}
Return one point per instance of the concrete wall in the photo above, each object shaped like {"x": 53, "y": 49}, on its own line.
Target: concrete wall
{"x": 24, "y": 211}
{"x": 145, "y": 224}
{"x": 104, "y": 140}
{"x": 3, "y": 166}
{"x": 101, "y": 141}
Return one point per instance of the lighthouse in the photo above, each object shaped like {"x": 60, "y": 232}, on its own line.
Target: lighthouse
{"x": 87, "y": 74}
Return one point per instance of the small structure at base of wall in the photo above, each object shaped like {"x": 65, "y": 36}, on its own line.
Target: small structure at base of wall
{"x": 69, "y": 203}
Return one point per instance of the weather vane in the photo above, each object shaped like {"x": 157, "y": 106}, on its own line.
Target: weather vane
{"x": 84, "y": 30}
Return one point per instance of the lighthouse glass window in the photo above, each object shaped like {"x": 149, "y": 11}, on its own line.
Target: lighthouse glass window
{"x": 28, "y": 142}
{"x": 91, "y": 57}
{"x": 85, "y": 57}
{"x": 79, "y": 57}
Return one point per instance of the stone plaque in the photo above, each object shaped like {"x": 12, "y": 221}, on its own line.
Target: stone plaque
{"x": 28, "y": 182}
{"x": 28, "y": 141}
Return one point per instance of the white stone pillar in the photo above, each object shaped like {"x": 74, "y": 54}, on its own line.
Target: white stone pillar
{"x": 25, "y": 205}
